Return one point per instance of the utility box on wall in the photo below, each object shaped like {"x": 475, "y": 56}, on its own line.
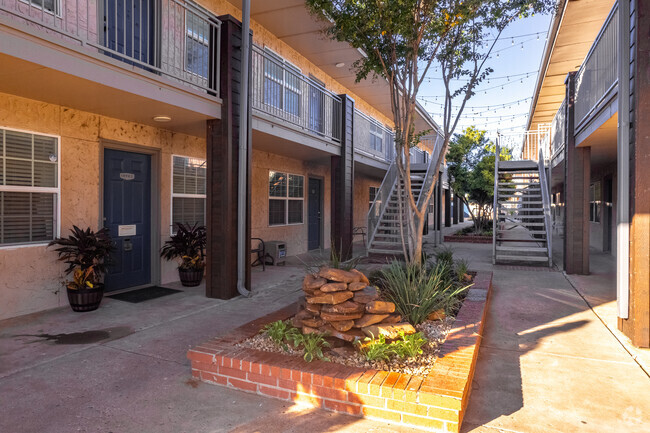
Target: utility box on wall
{"x": 277, "y": 250}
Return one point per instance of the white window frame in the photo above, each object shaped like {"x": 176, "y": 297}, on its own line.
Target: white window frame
{"x": 201, "y": 40}
{"x": 284, "y": 82}
{"x": 286, "y": 199}
{"x": 56, "y": 191}
{"x": 57, "y": 7}
{"x": 378, "y": 133}
{"x": 178, "y": 195}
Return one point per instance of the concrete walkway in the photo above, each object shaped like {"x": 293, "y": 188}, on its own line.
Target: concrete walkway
{"x": 547, "y": 364}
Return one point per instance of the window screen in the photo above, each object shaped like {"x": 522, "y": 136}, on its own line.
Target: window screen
{"x": 286, "y": 198}
{"x": 29, "y": 187}
{"x": 188, "y": 190}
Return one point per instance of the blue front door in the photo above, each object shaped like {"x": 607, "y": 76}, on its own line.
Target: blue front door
{"x": 315, "y": 207}
{"x": 127, "y": 214}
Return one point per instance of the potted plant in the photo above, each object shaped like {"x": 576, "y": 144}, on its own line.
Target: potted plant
{"x": 87, "y": 254}
{"x": 188, "y": 245}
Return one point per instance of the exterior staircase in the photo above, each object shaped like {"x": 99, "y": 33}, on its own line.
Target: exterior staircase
{"x": 387, "y": 238}
{"x": 384, "y": 217}
{"x": 521, "y": 228}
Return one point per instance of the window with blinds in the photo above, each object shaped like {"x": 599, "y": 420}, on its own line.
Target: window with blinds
{"x": 29, "y": 187}
{"x": 188, "y": 190}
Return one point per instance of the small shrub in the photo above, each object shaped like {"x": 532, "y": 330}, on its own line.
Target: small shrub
{"x": 445, "y": 257}
{"x": 409, "y": 346}
{"x": 417, "y": 290}
{"x": 279, "y": 331}
{"x": 313, "y": 345}
{"x": 377, "y": 349}
{"x": 462, "y": 266}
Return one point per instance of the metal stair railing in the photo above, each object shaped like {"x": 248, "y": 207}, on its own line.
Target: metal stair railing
{"x": 495, "y": 203}
{"x": 382, "y": 198}
{"x": 546, "y": 203}
{"x": 428, "y": 177}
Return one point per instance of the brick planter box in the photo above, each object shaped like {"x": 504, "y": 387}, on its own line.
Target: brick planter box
{"x": 436, "y": 402}
{"x": 469, "y": 239}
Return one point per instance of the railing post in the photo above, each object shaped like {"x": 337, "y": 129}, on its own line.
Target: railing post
{"x": 495, "y": 200}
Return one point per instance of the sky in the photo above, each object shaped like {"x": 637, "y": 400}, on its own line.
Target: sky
{"x": 502, "y": 102}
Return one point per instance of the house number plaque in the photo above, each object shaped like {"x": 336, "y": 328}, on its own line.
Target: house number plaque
{"x": 127, "y": 176}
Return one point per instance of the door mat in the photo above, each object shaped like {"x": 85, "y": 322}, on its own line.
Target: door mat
{"x": 144, "y": 294}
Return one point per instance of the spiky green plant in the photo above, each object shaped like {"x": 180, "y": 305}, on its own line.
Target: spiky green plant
{"x": 417, "y": 290}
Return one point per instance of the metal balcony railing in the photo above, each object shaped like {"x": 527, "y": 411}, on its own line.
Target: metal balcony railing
{"x": 173, "y": 38}
{"x": 419, "y": 156}
{"x": 372, "y": 138}
{"x": 280, "y": 90}
{"x": 598, "y": 74}
{"x": 558, "y": 131}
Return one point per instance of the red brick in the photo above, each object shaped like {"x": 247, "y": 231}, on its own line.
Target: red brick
{"x": 432, "y": 399}
{"x": 307, "y": 399}
{"x": 328, "y": 381}
{"x": 368, "y": 400}
{"x": 332, "y": 393}
{"x": 412, "y": 389}
{"x": 399, "y": 389}
{"x": 287, "y": 384}
{"x": 452, "y": 427}
{"x": 214, "y": 378}
{"x": 273, "y": 392}
{"x": 337, "y": 406}
{"x": 374, "y": 387}
{"x": 306, "y": 378}
{"x": 381, "y": 414}
{"x": 275, "y": 371}
{"x": 285, "y": 374}
{"x": 351, "y": 381}
{"x": 401, "y": 406}
{"x": 444, "y": 414}
{"x": 196, "y": 373}
{"x": 232, "y": 372}
{"x": 362, "y": 383}
{"x": 317, "y": 379}
{"x": 195, "y": 355}
{"x": 256, "y": 367}
{"x": 266, "y": 380}
{"x": 296, "y": 375}
{"x": 420, "y": 421}
{"x": 205, "y": 367}
{"x": 387, "y": 386}
{"x": 242, "y": 384}
{"x": 266, "y": 370}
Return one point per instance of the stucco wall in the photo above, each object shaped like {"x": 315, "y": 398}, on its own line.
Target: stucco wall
{"x": 294, "y": 235}
{"x": 38, "y": 283}
{"x": 362, "y": 186}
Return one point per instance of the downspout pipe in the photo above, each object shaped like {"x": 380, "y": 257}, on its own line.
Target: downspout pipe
{"x": 242, "y": 248}
{"x": 623, "y": 164}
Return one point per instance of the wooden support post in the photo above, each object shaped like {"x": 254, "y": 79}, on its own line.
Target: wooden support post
{"x": 447, "y": 207}
{"x": 343, "y": 184}
{"x": 637, "y": 325}
{"x": 222, "y": 153}
{"x": 577, "y": 176}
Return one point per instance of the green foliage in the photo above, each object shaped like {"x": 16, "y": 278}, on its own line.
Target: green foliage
{"x": 279, "y": 331}
{"x": 409, "y": 346}
{"x": 188, "y": 245}
{"x": 282, "y": 332}
{"x": 401, "y": 40}
{"x": 470, "y": 163}
{"x": 445, "y": 257}
{"x": 313, "y": 345}
{"x": 377, "y": 349}
{"x": 86, "y": 253}
{"x": 461, "y": 269}
{"x": 418, "y": 290}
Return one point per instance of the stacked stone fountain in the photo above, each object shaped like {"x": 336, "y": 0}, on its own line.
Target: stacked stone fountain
{"x": 344, "y": 305}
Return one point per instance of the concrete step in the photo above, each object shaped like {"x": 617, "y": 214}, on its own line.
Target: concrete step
{"x": 522, "y": 258}
{"x": 523, "y": 249}
{"x": 385, "y": 251}
{"x": 518, "y": 183}
{"x": 520, "y": 217}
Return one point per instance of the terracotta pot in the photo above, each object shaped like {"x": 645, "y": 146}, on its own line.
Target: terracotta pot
{"x": 190, "y": 278}
{"x": 86, "y": 299}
